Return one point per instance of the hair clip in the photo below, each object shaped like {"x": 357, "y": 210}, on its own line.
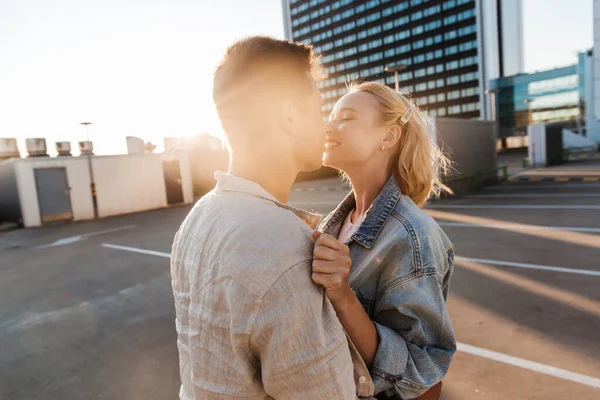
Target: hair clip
{"x": 406, "y": 116}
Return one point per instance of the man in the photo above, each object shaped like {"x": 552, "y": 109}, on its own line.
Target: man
{"x": 250, "y": 321}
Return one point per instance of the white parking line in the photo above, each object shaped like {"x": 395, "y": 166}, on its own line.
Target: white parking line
{"x": 462, "y": 347}
{"x": 520, "y": 226}
{"x": 532, "y": 195}
{"x": 136, "y": 250}
{"x": 544, "y": 186}
{"x": 530, "y": 266}
{"x": 530, "y": 365}
{"x": 514, "y": 207}
{"x": 75, "y": 239}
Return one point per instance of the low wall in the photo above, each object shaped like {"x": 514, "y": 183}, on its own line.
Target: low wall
{"x": 471, "y": 145}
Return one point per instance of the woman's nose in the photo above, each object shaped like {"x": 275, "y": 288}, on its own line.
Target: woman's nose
{"x": 331, "y": 126}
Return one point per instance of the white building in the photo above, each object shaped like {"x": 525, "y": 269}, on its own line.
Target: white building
{"x": 39, "y": 190}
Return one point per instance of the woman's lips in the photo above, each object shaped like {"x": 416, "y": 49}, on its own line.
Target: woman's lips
{"x": 330, "y": 143}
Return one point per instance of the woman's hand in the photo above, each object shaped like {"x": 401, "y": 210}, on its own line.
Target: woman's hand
{"x": 331, "y": 268}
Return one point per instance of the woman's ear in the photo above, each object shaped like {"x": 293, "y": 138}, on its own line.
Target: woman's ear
{"x": 392, "y": 137}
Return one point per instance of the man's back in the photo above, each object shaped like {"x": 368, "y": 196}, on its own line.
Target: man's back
{"x": 250, "y": 321}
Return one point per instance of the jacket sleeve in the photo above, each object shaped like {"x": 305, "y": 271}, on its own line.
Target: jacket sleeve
{"x": 416, "y": 337}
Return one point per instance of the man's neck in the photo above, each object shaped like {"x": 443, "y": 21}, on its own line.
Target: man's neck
{"x": 274, "y": 175}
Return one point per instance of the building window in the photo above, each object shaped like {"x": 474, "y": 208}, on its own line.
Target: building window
{"x": 467, "y": 30}
{"x": 452, "y": 19}
{"x": 376, "y": 57}
{"x": 451, "y": 35}
{"x": 452, "y": 110}
{"x": 451, "y": 65}
{"x": 419, "y": 59}
{"x": 419, "y": 87}
{"x": 432, "y": 10}
{"x": 417, "y": 16}
{"x": 374, "y": 17}
{"x": 401, "y": 21}
{"x": 451, "y": 50}
{"x": 453, "y": 80}
{"x": 403, "y": 49}
{"x": 468, "y": 45}
{"x": 453, "y": 95}
{"x": 433, "y": 25}
{"x": 402, "y": 35}
{"x": 420, "y": 73}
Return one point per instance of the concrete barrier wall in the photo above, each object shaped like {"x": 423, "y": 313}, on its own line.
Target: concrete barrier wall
{"x": 10, "y": 209}
{"x": 470, "y": 144}
{"x": 129, "y": 183}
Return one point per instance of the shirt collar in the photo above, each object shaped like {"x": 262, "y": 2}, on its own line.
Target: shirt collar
{"x": 231, "y": 183}
{"x": 375, "y": 217}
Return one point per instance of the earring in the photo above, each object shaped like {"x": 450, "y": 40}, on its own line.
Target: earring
{"x": 382, "y": 147}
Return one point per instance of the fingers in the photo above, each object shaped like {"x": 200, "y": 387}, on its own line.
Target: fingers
{"x": 326, "y": 253}
{"x": 340, "y": 266}
{"x": 316, "y": 234}
{"x": 329, "y": 281}
{"x": 326, "y": 240}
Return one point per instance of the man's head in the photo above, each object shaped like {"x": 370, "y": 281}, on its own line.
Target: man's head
{"x": 266, "y": 95}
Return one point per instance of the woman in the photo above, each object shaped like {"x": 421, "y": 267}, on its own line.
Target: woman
{"x": 385, "y": 264}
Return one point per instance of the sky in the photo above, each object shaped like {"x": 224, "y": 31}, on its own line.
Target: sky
{"x": 144, "y": 67}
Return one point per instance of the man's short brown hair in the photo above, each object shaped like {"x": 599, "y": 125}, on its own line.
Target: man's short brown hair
{"x": 259, "y": 69}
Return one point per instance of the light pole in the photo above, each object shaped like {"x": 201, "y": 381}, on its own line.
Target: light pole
{"x": 529, "y": 113}
{"x": 396, "y": 69}
{"x": 493, "y": 93}
{"x": 89, "y": 158}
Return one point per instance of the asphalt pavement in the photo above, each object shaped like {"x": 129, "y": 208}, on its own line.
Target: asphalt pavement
{"x": 86, "y": 310}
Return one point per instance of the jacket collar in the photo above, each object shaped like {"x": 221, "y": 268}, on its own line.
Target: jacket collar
{"x": 375, "y": 217}
{"x": 231, "y": 183}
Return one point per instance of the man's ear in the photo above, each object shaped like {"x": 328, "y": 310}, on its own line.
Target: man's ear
{"x": 288, "y": 116}
{"x": 393, "y": 136}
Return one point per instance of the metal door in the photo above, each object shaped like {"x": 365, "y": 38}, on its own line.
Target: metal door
{"x": 54, "y": 196}
{"x": 173, "y": 182}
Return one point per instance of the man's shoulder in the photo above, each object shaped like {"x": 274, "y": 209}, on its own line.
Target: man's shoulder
{"x": 257, "y": 240}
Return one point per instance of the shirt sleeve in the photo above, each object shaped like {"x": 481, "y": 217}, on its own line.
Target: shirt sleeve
{"x": 299, "y": 342}
{"x": 416, "y": 338}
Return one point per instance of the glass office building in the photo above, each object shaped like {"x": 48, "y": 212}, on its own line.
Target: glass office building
{"x": 556, "y": 95}
{"x": 437, "y": 43}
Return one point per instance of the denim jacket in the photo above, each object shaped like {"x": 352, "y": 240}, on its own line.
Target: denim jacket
{"x": 401, "y": 267}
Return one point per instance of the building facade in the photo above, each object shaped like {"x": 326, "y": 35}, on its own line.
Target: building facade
{"x": 593, "y": 81}
{"x": 446, "y": 50}
{"x": 556, "y": 95}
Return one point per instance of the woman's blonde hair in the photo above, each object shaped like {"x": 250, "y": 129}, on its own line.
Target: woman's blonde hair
{"x": 420, "y": 162}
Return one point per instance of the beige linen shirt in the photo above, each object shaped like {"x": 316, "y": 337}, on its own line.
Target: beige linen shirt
{"x": 250, "y": 322}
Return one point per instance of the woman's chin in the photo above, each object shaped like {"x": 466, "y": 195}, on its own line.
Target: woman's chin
{"x": 332, "y": 159}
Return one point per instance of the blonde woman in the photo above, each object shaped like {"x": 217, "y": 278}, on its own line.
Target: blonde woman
{"x": 385, "y": 264}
